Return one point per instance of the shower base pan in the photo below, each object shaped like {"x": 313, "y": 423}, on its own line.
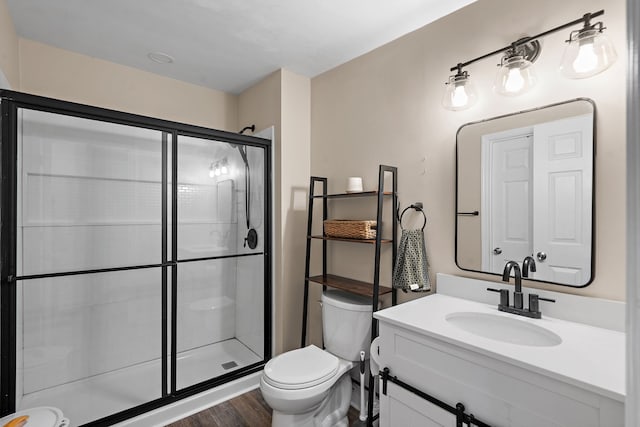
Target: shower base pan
{"x": 101, "y": 395}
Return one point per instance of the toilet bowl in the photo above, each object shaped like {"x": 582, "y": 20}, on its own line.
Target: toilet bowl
{"x": 297, "y": 393}
{"x": 310, "y": 386}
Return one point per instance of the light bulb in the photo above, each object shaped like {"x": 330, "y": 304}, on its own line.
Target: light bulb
{"x": 459, "y": 92}
{"x": 224, "y": 170}
{"x": 587, "y": 60}
{"x": 211, "y": 173}
{"x": 516, "y": 75}
{"x": 217, "y": 171}
{"x": 459, "y": 97}
{"x": 515, "y": 81}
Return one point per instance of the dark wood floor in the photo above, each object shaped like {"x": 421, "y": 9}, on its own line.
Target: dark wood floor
{"x": 248, "y": 410}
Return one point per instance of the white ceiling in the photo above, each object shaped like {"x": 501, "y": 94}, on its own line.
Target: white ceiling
{"x": 225, "y": 44}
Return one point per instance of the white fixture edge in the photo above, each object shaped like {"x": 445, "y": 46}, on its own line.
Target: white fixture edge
{"x": 493, "y": 388}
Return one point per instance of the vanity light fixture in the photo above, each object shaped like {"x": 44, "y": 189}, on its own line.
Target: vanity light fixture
{"x": 460, "y": 92}
{"x": 588, "y": 52}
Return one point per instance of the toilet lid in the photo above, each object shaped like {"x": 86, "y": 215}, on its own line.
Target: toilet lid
{"x": 301, "y": 368}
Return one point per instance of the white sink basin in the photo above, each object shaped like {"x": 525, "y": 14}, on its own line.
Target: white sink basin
{"x": 503, "y": 328}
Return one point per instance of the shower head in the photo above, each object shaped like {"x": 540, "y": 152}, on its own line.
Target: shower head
{"x": 252, "y": 128}
{"x": 243, "y": 150}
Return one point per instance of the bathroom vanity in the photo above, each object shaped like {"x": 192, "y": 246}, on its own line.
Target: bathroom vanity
{"x": 566, "y": 369}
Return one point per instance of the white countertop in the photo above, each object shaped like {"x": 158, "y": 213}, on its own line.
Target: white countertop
{"x": 589, "y": 357}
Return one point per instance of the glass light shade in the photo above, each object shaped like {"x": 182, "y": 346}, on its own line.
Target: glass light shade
{"x": 211, "y": 172}
{"x": 459, "y": 93}
{"x": 588, "y": 53}
{"x": 515, "y": 76}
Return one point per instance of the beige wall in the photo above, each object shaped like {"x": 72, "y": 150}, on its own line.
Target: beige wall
{"x": 295, "y": 169}
{"x": 283, "y": 100}
{"x": 384, "y": 107}
{"x": 48, "y": 71}
{"x": 8, "y": 49}
{"x": 260, "y": 106}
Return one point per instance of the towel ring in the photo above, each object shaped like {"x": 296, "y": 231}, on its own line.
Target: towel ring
{"x": 416, "y": 206}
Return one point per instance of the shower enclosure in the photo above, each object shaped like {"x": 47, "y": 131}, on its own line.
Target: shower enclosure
{"x": 126, "y": 279}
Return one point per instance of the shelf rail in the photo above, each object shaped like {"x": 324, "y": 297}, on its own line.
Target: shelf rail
{"x": 307, "y": 262}
{"x": 376, "y": 278}
{"x": 459, "y": 410}
{"x": 345, "y": 283}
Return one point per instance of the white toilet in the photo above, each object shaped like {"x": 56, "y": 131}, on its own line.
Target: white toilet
{"x": 310, "y": 386}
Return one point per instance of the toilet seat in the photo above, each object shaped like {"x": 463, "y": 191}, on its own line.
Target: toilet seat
{"x": 302, "y": 368}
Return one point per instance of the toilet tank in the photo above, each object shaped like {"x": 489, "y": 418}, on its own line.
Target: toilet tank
{"x": 346, "y": 324}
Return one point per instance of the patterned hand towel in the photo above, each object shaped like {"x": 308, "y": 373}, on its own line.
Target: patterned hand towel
{"x": 411, "y": 272}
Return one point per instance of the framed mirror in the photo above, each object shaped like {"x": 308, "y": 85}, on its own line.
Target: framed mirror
{"x": 524, "y": 187}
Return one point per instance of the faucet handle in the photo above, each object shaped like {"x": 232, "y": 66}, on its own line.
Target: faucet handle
{"x": 534, "y": 306}
{"x": 504, "y": 295}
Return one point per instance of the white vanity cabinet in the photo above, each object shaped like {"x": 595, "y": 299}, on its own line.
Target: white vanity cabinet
{"x": 493, "y": 391}
{"x": 578, "y": 383}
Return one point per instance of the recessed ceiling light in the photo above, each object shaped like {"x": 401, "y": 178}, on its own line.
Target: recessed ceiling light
{"x": 160, "y": 58}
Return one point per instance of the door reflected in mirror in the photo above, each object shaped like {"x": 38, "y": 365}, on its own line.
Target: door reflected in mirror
{"x": 525, "y": 188}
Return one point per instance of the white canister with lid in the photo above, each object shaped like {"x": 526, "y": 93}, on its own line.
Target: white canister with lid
{"x": 354, "y": 184}
{"x": 44, "y": 416}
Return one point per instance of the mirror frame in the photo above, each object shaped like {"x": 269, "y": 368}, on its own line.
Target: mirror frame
{"x": 593, "y": 191}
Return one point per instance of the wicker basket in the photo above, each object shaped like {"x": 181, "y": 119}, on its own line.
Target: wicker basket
{"x": 350, "y": 229}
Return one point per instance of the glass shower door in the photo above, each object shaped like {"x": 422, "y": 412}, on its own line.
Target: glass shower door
{"x": 219, "y": 312}
{"x": 89, "y": 265}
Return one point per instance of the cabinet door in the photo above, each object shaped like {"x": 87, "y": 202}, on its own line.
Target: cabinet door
{"x": 400, "y": 407}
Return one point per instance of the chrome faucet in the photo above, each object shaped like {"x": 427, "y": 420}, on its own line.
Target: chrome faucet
{"x": 517, "y": 295}
{"x": 518, "y": 307}
{"x": 529, "y": 264}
